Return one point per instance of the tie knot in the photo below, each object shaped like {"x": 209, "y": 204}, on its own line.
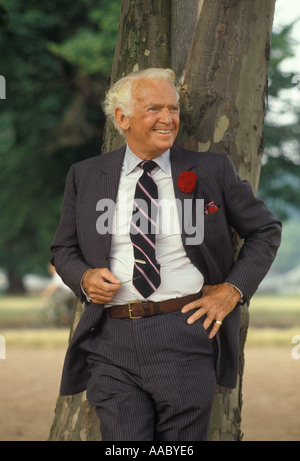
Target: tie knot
{"x": 148, "y": 165}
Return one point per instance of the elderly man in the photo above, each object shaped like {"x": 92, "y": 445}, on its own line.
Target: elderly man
{"x": 162, "y": 291}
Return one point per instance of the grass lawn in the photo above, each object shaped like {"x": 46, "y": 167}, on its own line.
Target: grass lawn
{"x": 21, "y": 311}
{"x": 23, "y": 323}
{"x": 275, "y": 311}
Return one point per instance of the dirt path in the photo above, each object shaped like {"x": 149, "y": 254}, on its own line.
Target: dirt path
{"x": 271, "y": 409}
{"x": 30, "y": 379}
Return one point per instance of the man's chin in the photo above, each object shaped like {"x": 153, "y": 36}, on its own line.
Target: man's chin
{"x": 163, "y": 143}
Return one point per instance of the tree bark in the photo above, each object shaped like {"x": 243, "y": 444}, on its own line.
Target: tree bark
{"x": 222, "y": 64}
{"x": 224, "y": 79}
{"x": 144, "y": 41}
{"x": 219, "y": 50}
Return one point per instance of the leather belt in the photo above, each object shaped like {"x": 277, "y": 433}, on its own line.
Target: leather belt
{"x": 139, "y": 309}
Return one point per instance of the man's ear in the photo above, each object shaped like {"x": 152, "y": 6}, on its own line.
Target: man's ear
{"x": 122, "y": 119}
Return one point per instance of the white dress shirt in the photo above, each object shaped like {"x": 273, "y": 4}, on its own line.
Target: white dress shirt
{"x": 179, "y": 277}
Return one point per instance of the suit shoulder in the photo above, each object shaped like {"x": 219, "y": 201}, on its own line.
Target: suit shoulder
{"x": 209, "y": 158}
{"x": 96, "y": 162}
{"x": 88, "y": 162}
{"x": 91, "y": 162}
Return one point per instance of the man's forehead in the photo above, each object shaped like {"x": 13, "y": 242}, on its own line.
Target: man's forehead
{"x": 151, "y": 89}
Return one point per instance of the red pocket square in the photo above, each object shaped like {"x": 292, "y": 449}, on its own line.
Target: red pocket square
{"x": 211, "y": 207}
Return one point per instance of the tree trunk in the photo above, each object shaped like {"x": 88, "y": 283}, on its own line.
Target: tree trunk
{"x": 222, "y": 69}
{"x": 144, "y": 41}
{"x": 219, "y": 50}
{"x": 15, "y": 283}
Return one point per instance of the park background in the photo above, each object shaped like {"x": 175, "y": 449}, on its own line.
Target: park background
{"x": 36, "y": 43}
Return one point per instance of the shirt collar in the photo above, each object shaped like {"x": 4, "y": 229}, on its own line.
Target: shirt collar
{"x": 131, "y": 161}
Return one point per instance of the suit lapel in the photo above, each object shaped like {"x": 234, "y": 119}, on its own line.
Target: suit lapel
{"x": 108, "y": 179}
{"x": 180, "y": 163}
{"x": 110, "y": 171}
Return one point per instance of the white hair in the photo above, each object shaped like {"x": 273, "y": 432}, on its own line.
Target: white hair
{"x": 120, "y": 93}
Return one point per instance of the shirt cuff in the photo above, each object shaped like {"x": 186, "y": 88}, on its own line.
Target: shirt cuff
{"x": 242, "y": 296}
{"x": 85, "y": 294}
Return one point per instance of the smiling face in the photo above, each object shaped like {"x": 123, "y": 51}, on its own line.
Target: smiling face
{"x": 153, "y": 127}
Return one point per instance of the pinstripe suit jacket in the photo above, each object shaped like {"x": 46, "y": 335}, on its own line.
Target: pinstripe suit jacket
{"x": 77, "y": 246}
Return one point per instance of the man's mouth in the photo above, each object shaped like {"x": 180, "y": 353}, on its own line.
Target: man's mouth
{"x": 163, "y": 131}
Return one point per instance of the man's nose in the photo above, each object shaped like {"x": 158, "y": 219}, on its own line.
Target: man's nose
{"x": 166, "y": 115}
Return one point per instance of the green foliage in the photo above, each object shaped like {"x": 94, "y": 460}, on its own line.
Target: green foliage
{"x": 280, "y": 176}
{"x": 56, "y": 58}
{"x": 281, "y": 50}
{"x": 91, "y": 48}
{"x": 288, "y": 256}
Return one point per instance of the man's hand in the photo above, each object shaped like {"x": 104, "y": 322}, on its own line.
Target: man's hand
{"x": 100, "y": 285}
{"x": 217, "y": 302}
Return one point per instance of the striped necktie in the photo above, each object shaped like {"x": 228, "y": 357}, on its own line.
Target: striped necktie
{"x": 146, "y": 273}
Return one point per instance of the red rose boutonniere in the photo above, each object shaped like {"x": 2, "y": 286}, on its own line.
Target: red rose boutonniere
{"x": 187, "y": 181}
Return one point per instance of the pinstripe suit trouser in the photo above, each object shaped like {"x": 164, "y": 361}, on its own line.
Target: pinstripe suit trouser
{"x": 152, "y": 378}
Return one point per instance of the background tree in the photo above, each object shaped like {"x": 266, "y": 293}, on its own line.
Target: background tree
{"x": 220, "y": 52}
{"x": 280, "y": 177}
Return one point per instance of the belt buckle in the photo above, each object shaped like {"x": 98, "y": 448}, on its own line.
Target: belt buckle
{"x": 130, "y": 310}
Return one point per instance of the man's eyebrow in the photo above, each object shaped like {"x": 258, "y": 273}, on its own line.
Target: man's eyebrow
{"x": 162, "y": 105}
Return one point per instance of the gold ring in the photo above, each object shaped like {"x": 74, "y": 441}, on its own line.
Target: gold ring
{"x": 218, "y": 322}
